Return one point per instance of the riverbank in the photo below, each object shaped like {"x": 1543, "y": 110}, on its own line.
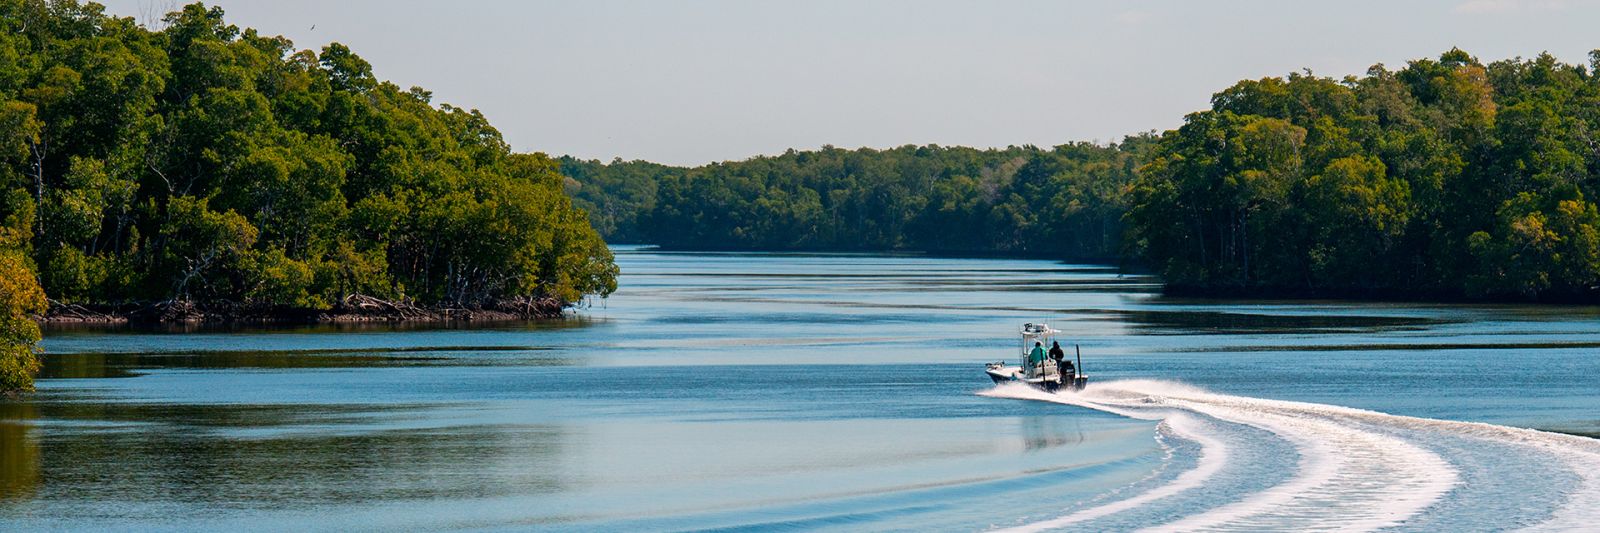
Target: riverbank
{"x": 352, "y": 309}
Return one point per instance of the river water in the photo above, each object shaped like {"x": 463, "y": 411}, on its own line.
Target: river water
{"x": 817, "y": 391}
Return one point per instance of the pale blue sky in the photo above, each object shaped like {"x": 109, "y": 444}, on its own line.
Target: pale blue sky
{"x": 687, "y": 82}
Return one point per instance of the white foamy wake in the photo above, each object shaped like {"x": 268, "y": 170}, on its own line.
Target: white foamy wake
{"x": 1213, "y": 454}
{"x": 1358, "y": 470}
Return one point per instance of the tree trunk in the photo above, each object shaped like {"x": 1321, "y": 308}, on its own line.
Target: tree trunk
{"x": 38, "y": 150}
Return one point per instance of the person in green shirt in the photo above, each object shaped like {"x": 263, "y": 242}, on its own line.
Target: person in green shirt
{"x": 1036, "y": 356}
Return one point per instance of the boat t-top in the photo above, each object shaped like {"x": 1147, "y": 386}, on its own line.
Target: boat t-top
{"x": 1049, "y": 372}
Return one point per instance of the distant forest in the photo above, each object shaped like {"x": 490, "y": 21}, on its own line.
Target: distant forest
{"x": 1448, "y": 178}
{"x": 1064, "y": 202}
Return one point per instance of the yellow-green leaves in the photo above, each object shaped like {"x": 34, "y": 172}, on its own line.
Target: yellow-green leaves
{"x": 20, "y": 300}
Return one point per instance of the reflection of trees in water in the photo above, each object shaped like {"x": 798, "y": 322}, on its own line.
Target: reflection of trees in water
{"x": 19, "y": 452}
{"x": 569, "y": 321}
{"x": 1189, "y": 321}
{"x": 88, "y": 365}
{"x": 117, "y": 365}
{"x": 1041, "y": 432}
{"x": 276, "y": 456}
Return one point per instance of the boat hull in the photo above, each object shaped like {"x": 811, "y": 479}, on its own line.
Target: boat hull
{"x": 1002, "y": 374}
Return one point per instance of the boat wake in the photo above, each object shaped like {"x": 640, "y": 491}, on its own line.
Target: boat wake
{"x": 1342, "y": 468}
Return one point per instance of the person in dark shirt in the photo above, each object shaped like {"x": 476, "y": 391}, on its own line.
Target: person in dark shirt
{"x": 1062, "y": 364}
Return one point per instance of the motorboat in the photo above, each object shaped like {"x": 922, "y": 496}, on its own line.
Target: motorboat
{"x": 1048, "y": 375}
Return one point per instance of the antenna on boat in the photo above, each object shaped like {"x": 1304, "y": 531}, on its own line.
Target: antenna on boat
{"x": 1079, "y": 351}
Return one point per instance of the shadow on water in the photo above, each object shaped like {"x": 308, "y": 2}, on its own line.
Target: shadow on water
{"x": 197, "y": 453}
{"x": 1382, "y": 347}
{"x": 157, "y": 462}
{"x": 193, "y": 419}
{"x": 1190, "y": 321}
{"x": 793, "y": 317}
{"x": 117, "y": 365}
{"x": 1044, "y": 432}
{"x": 97, "y": 328}
{"x": 19, "y": 452}
{"x": 1148, "y": 321}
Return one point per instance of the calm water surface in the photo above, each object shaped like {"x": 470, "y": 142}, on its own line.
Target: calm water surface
{"x": 824, "y": 392}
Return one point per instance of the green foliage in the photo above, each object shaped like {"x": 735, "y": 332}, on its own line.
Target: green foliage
{"x": 1540, "y": 245}
{"x": 270, "y": 276}
{"x": 1067, "y": 201}
{"x": 20, "y": 300}
{"x": 207, "y": 162}
{"x": 1448, "y": 177}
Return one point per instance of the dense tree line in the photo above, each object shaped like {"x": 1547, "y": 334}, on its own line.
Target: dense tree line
{"x": 1065, "y": 202}
{"x": 1446, "y": 178}
{"x": 201, "y": 162}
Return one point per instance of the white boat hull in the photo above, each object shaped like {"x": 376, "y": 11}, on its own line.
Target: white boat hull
{"x": 1002, "y": 373}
